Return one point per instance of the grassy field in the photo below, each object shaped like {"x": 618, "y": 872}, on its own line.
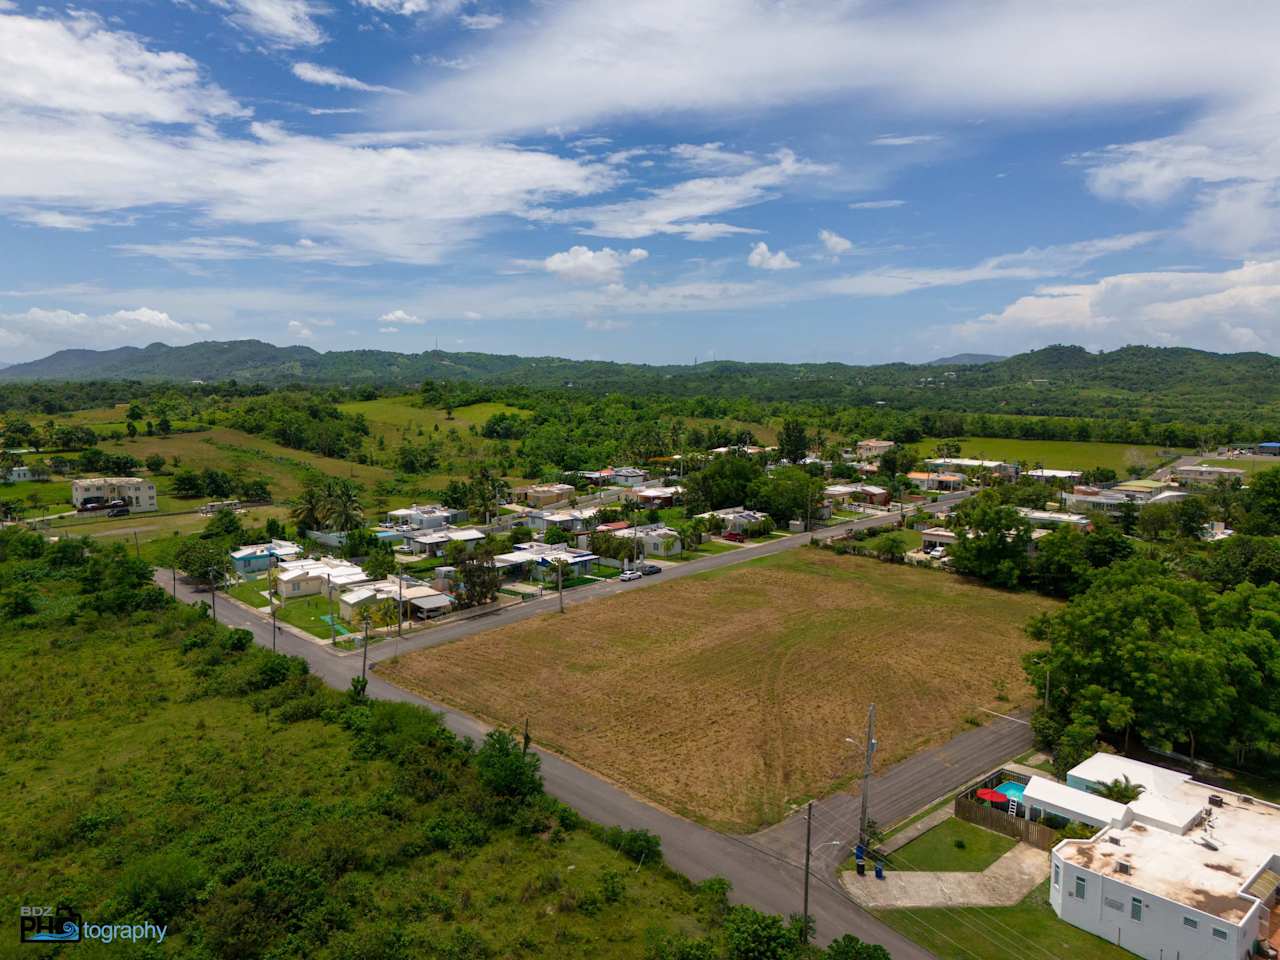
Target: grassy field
{"x": 1029, "y": 931}
{"x": 728, "y": 695}
{"x": 1056, "y": 454}
{"x": 939, "y": 848}
{"x": 139, "y": 787}
{"x": 1250, "y": 465}
{"x": 308, "y": 613}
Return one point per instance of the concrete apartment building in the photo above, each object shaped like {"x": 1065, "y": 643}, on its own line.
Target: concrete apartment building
{"x": 1185, "y": 872}
{"x": 1204, "y": 473}
{"x": 138, "y": 495}
{"x": 870, "y": 449}
{"x": 969, "y": 464}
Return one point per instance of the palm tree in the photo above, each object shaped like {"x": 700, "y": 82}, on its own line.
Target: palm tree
{"x": 1122, "y": 790}
{"x": 342, "y": 509}
{"x": 307, "y": 510}
{"x": 386, "y": 613}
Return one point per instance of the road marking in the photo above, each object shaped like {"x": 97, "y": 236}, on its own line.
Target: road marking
{"x": 1004, "y": 716}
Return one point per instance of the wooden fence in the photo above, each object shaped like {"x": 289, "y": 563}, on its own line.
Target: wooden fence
{"x": 1036, "y": 834}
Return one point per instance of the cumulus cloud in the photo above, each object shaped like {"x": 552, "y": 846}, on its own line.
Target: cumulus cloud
{"x": 1237, "y": 308}
{"x": 584, "y": 265}
{"x": 280, "y": 23}
{"x": 328, "y": 77}
{"x": 400, "y": 317}
{"x": 834, "y": 243}
{"x": 299, "y": 329}
{"x": 762, "y": 259}
{"x": 43, "y": 328}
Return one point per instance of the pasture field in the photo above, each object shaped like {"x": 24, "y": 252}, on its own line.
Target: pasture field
{"x": 1250, "y": 465}
{"x": 727, "y": 696}
{"x": 1058, "y": 454}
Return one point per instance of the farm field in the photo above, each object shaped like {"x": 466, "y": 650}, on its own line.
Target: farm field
{"x": 728, "y": 695}
{"x": 1057, "y": 454}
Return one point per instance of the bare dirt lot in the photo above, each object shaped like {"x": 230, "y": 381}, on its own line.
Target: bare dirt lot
{"x": 728, "y": 696}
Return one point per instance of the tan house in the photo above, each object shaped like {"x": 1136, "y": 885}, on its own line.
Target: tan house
{"x": 870, "y": 449}
{"x": 543, "y": 494}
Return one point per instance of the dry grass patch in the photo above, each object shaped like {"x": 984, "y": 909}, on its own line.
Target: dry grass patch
{"x": 728, "y": 695}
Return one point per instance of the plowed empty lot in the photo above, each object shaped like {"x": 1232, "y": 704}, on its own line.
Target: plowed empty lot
{"x": 728, "y": 695}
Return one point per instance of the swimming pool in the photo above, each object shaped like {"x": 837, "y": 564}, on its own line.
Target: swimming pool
{"x": 1012, "y": 790}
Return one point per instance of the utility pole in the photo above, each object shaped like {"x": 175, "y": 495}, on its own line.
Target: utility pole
{"x": 866, "y": 774}
{"x": 136, "y": 549}
{"x": 525, "y": 748}
{"x": 333, "y": 629}
{"x": 364, "y": 650}
{"x": 174, "y": 569}
{"x": 1046, "y": 688}
{"x": 560, "y": 583}
{"x": 213, "y": 596}
{"x": 808, "y": 847}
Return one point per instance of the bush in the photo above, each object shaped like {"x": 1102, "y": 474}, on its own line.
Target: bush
{"x": 161, "y": 885}
{"x": 638, "y": 845}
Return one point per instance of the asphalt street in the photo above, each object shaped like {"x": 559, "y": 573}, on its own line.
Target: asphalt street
{"x": 765, "y": 869}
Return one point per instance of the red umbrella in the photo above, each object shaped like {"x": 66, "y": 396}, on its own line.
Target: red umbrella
{"x": 992, "y": 796}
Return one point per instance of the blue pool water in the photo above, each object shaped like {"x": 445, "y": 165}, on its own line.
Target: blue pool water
{"x": 1012, "y": 790}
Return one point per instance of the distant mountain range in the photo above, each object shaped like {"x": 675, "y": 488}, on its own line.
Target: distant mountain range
{"x": 1060, "y": 380}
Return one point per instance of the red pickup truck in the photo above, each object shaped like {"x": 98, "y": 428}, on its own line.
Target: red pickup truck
{"x": 735, "y": 537}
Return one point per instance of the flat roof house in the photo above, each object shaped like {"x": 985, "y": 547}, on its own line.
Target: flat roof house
{"x": 306, "y": 577}
{"x": 537, "y": 561}
{"x": 968, "y": 464}
{"x": 417, "y": 600}
{"x": 1050, "y": 476}
{"x": 1205, "y": 473}
{"x": 257, "y": 557}
{"x": 19, "y": 473}
{"x": 870, "y": 449}
{"x": 427, "y": 517}
{"x": 138, "y": 494}
{"x": 736, "y": 519}
{"x": 542, "y": 494}
{"x": 1055, "y": 518}
{"x": 936, "y": 538}
{"x": 1186, "y": 871}
{"x": 656, "y": 539}
{"x": 657, "y": 497}
{"x": 434, "y": 542}
{"x": 937, "y": 481}
{"x": 629, "y": 476}
{"x": 575, "y": 520}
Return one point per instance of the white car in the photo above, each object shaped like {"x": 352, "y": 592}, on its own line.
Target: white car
{"x": 629, "y": 575}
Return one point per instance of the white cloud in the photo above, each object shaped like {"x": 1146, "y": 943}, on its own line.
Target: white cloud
{"x": 681, "y": 209}
{"x": 332, "y": 111}
{"x": 911, "y": 140}
{"x": 55, "y": 219}
{"x": 762, "y": 259}
{"x": 584, "y": 265}
{"x": 388, "y": 329}
{"x": 472, "y": 315}
{"x": 281, "y": 23}
{"x": 400, "y": 317}
{"x": 1032, "y": 263}
{"x": 42, "y": 328}
{"x": 835, "y": 244}
{"x": 328, "y": 77}
{"x": 1237, "y": 309}
{"x": 712, "y": 156}
{"x": 78, "y": 67}
{"x": 605, "y": 324}
{"x": 481, "y": 21}
{"x": 877, "y": 204}
{"x": 300, "y": 330}
{"x": 410, "y": 8}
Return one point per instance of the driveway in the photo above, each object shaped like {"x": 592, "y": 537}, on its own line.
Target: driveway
{"x": 1003, "y": 884}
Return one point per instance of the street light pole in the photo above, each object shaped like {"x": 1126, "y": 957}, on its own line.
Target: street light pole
{"x": 866, "y": 774}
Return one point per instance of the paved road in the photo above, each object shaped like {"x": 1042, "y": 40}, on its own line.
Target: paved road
{"x": 765, "y": 870}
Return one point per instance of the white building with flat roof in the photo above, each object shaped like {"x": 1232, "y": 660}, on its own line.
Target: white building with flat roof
{"x": 1054, "y": 518}
{"x": 136, "y": 493}
{"x": 306, "y": 577}
{"x": 1049, "y": 476}
{"x": 1185, "y": 872}
{"x": 967, "y": 464}
{"x": 427, "y": 517}
{"x": 1206, "y": 473}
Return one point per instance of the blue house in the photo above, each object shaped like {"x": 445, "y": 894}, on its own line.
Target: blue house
{"x": 257, "y": 556}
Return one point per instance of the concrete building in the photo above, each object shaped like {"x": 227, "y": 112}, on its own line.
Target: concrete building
{"x": 858, "y": 493}
{"x": 658, "y": 497}
{"x": 655, "y": 539}
{"x": 417, "y": 600}
{"x": 19, "y": 473}
{"x": 304, "y": 578}
{"x": 970, "y": 465}
{"x": 538, "y": 561}
{"x": 870, "y": 449}
{"x": 936, "y": 538}
{"x": 434, "y": 542}
{"x": 257, "y": 557}
{"x": 1185, "y": 872}
{"x": 1054, "y": 476}
{"x": 937, "y": 481}
{"x": 1205, "y": 474}
{"x": 137, "y": 494}
{"x": 429, "y": 517}
{"x": 1055, "y": 518}
{"x": 574, "y": 520}
{"x": 543, "y": 494}
{"x": 736, "y": 519}
{"x": 629, "y": 476}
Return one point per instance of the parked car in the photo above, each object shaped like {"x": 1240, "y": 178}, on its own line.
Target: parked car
{"x": 118, "y": 512}
{"x": 649, "y": 569}
{"x": 90, "y": 505}
{"x": 629, "y": 575}
{"x": 735, "y": 537}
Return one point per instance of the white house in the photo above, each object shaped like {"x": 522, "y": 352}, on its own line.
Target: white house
{"x": 303, "y": 578}
{"x": 434, "y": 542}
{"x": 257, "y": 557}
{"x": 427, "y": 517}
{"x": 575, "y": 520}
{"x": 1049, "y": 476}
{"x": 629, "y": 476}
{"x": 1204, "y": 473}
{"x": 1055, "y": 518}
{"x": 416, "y": 599}
{"x": 19, "y": 473}
{"x": 736, "y": 519}
{"x": 137, "y": 494}
{"x": 1185, "y": 872}
{"x": 538, "y": 560}
{"x": 655, "y": 539}
{"x": 937, "y": 538}
{"x": 658, "y": 496}
{"x": 968, "y": 464}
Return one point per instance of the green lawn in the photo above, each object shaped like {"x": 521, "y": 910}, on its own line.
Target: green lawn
{"x": 1055, "y": 454}
{"x": 249, "y": 592}
{"x": 306, "y": 613}
{"x": 605, "y": 572}
{"x": 708, "y": 549}
{"x": 1031, "y": 929}
{"x": 938, "y": 849}
{"x": 1250, "y": 466}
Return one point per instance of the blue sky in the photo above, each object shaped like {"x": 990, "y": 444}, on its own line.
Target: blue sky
{"x": 748, "y": 179}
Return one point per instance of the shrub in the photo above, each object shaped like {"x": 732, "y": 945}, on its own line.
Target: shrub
{"x": 638, "y": 845}
{"x": 161, "y": 885}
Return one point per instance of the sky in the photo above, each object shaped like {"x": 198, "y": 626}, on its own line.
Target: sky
{"x": 663, "y": 181}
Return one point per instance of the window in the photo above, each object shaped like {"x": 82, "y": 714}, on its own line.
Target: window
{"x": 1191, "y": 922}
{"x": 1080, "y": 888}
{"x": 1219, "y": 934}
{"x": 1135, "y": 909}
{"x": 1057, "y": 874}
